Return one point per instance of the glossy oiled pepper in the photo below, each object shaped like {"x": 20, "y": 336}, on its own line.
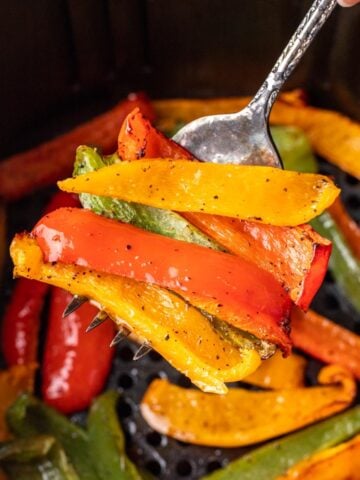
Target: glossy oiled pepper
{"x": 258, "y": 303}
{"x": 176, "y": 330}
{"x": 239, "y": 191}
{"x": 349, "y": 228}
{"x": 73, "y": 372}
{"x": 296, "y": 256}
{"x": 323, "y": 339}
{"x": 279, "y": 373}
{"x": 337, "y": 463}
{"x": 275, "y": 458}
{"x": 244, "y": 417}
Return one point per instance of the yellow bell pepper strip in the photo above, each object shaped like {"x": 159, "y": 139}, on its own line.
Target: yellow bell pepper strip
{"x": 332, "y": 135}
{"x": 259, "y": 304}
{"x": 323, "y": 339}
{"x": 337, "y": 463}
{"x": 244, "y": 417}
{"x": 279, "y": 373}
{"x": 15, "y": 380}
{"x": 264, "y": 194}
{"x": 176, "y": 330}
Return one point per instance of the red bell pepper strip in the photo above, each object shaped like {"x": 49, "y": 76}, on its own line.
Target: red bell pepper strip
{"x": 296, "y": 256}
{"x": 323, "y": 339}
{"x": 75, "y": 364}
{"x": 347, "y": 225}
{"x": 21, "y": 322}
{"x": 258, "y": 302}
{"x": 25, "y": 172}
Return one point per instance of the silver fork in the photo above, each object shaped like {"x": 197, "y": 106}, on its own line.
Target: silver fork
{"x": 243, "y": 138}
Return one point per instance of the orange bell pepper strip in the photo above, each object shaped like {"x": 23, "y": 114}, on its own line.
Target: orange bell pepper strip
{"x": 337, "y": 463}
{"x": 323, "y": 339}
{"x": 296, "y": 256}
{"x": 259, "y": 303}
{"x": 279, "y": 373}
{"x": 347, "y": 225}
{"x": 179, "y": 332}
{"x": 269, "y": 195}
{"x": 244, "y": 417}
{"x": 15, "y": 380}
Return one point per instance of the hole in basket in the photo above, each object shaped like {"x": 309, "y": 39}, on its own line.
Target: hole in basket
{"x": 124, "y": 409}
{"x": 184, "y": 382}
{"x": 329, "y": 278}
{"x": 154, "y": 376}
{"x": 184, "y": 468}
{"x": 332, "y": 302}
{"x": 154, "y": 439}
{"x": 213, "y": 465}
{"x": 153, "y": 467}
{"x": 126, "y": 354}
{"x": 125, "y": 381}
{"x": 353, "y": 201}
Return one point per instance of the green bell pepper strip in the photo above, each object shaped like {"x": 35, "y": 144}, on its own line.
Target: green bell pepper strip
{"x": 28, "y": 416}
{"x": 296, "y": 154}
{"x": 164, "y": 222}
{"x": 33, "y": 458}
{"x": 275, "y": 458}
{"x": 106, "y": 440}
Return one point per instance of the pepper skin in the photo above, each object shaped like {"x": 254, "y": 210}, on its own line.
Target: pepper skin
{"x": 21, "y": 322}
{"x": 73, "y": 372}
{"x": 259, "y": 304}
{"x": 244, "y": 417}
{"x": 172, "y": 327}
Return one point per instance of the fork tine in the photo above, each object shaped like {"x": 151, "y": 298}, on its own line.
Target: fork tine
{"x": 75, "y": 303}
{"x": 144, "y": 349}
{"x": 120, "y": 336}
{"x": 99, "y": 318}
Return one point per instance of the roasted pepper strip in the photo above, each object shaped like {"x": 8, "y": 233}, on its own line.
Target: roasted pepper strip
{"x": 349, "y": 228}
{"x": 244, "y": 417}
{"x": 27, "y": 171}
{"x": 296, "y": 256}
{"x": 280, "y": 373}
{"x": 337, "y": 463}
{"x": 332, "y": 135}
{"x": 343, "y": 264}
{"x": 275, "y": 458}
{"x": 176, "y": 330}
{"x": 323, "y": 339}
{"x": 73, "y": 373}
{"x": 213, "y": 188}
{"x": 107, "y": 442}
{"x": 259, "y": 303}
{"x": 13, "y": 381}
{"x": 28, "y": 416}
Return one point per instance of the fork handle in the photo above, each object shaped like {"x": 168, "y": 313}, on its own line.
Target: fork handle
{"x": 315, "y": 18}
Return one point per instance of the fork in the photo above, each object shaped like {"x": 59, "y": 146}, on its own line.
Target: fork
{"x": 243, "y": 137}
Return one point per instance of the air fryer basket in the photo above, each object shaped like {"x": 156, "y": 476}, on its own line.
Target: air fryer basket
{"x": 80, "y": 56}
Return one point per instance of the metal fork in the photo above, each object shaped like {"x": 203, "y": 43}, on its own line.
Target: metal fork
{"x": 243, "y": 138}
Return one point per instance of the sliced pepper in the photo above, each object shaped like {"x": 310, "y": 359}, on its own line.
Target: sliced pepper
{"x": 274, "y": 459}
{"x": 280, "y": 373}
{"x": 296, "y": 256}
{"x": 337, "y": 463}
{"x": 349, "y": 228}
{"x": 323, "y": 339}
{"x": 172, "y": 327}
{"x": 215, "y": 420}
{"x": 213, "y": 188}
{"x": 258, "y": 302}
{"x": 15, "y": 380}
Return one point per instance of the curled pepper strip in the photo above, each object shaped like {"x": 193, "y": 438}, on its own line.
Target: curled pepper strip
{"x": 213, "y": 188}
{"x": 244, "y": 417}
{"x": 337, "y": 463}
{"x": 173, "y": 328}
